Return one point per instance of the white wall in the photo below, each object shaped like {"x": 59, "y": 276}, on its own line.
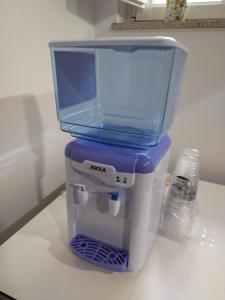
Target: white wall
{"x": 31, "y": 144}
{"x": 200, "y": 121}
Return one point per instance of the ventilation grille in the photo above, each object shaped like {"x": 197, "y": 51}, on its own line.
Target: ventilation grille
{"x": 99, "y": 253}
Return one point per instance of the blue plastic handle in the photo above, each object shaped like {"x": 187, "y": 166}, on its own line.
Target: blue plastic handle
{"x": 114, "y": 196}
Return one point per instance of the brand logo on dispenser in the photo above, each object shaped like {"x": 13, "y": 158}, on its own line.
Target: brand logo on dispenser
{"x": 97, "y": 168}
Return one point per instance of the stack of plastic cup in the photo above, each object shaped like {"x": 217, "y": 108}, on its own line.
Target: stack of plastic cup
{"x": 181, "y": 206}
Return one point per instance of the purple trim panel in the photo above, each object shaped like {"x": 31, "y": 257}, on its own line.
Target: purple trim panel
{"x": 127, "y": 160}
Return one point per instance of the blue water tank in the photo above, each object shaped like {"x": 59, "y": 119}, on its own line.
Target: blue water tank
{"x": 118, "y": 91}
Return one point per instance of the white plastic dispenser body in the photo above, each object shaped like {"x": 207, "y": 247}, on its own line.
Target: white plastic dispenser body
{"x": 122, "y": 214}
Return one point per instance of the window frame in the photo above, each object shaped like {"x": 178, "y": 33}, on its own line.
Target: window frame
{"x": 198, "y": 10}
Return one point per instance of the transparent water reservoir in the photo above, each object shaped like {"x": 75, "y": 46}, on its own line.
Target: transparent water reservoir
{"x": 118, "y": 91}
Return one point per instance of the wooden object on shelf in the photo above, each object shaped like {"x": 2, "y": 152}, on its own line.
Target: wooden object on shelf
{"x": 161, "y": 24}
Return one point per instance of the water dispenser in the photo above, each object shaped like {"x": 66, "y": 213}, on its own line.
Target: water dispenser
{"x": 118, "y": 98}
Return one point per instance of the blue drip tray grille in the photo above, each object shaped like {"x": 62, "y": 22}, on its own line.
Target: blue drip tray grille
{"x": 99, "y": 253}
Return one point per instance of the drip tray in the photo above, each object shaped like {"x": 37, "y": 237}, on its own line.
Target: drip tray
{"x": 99, "y": 253}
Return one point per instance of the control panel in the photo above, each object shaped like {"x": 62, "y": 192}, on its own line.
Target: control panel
{"x": 106, "y": 173}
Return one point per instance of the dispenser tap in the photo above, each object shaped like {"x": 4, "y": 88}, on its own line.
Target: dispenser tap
{"x": 114, "y": 203}
{"x": 82, "y": 194}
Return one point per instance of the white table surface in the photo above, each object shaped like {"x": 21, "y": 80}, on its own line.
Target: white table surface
{"x": 36, "y": 263}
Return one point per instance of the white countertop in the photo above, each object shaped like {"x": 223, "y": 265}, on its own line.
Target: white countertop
{"x": 36, "y": 262}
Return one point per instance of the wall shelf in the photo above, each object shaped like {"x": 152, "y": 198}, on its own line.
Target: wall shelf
{"x": 161, "y": 24}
